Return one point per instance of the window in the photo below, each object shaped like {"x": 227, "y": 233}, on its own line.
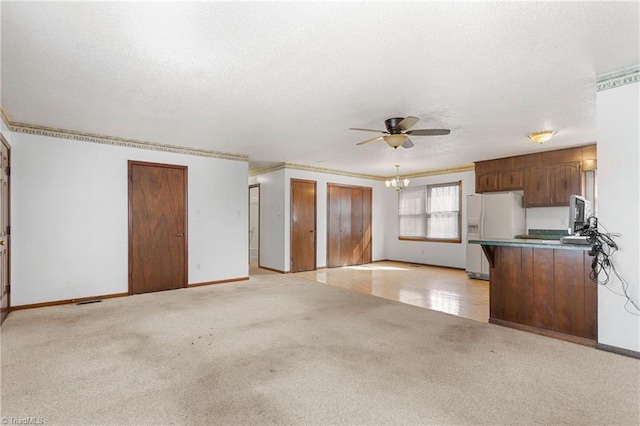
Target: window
{"x": 431, "y": 212}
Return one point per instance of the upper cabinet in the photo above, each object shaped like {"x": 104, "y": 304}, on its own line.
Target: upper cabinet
{"x": 487, "y": 182}
{"x": 551, "y": 185}
{"x": 510, "y": 180}
{"x": 546, "y": 179}
{"x": 498, "y": 175}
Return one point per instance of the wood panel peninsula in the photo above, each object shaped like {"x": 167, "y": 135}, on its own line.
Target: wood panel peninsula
{"x": 542, "y": 286}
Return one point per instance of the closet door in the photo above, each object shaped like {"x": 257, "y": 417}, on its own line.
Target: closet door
{"x": 345, "y": 227}
{"x": 356, "y": 226}
{"x": 366, "y": 225}
{"x": 333, "y": 227}
{"x": 349, "y": 225}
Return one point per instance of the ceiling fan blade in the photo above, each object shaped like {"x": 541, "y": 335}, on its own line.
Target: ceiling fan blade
{"x": 407, "y": 144}
{"x": 379, "y": 138}
{"x": 428, "y": 132}
{"x": 407, "y": 123}
{"x": 367, "y": 130}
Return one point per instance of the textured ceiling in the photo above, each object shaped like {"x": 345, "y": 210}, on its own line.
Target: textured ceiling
{"x": 283, "y": 82}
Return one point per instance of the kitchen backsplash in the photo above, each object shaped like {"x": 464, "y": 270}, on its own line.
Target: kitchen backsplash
{"x": 547, "y": 218}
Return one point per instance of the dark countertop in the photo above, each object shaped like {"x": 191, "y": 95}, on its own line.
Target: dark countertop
{"x": 534, "y": 243}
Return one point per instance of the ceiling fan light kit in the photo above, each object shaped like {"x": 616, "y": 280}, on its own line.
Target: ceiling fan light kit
{"x": 542, "y": 136}
{"x": 395, "y": 141}
{"x": 397, "y": 133}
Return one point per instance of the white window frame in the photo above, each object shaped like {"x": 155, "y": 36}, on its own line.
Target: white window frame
{"x": 414, "y": 216}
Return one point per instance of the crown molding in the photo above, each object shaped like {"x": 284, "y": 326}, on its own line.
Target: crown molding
{"x": 304, "y": 167}
{"x": 457, "y": 169}
{"x": 293, "y": 166}
{"x": 5, "y": 117}
{"x": 264, "y": 170}
{"x": 122, "y": 142}
{"x": 618, "y": 78}
{"x": 307, "y": 168}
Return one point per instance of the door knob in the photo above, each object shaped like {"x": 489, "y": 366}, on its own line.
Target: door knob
{"x": 3, "y": 242}
{"x": 180, "y": 234}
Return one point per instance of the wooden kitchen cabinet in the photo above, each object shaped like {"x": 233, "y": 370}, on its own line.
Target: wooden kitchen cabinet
{"x": 487, "y": 182}
{"x": 546, "y": 178}
{"x": 537, "y": 187}
{"x": 565, "y": 180}
{"x": 546, "y": 186}
{"x": 510, "y": 180}
{"x": 544, "y": 290}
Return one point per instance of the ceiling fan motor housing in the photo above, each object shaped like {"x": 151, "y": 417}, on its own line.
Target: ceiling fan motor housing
{"x": 392, "y": 123}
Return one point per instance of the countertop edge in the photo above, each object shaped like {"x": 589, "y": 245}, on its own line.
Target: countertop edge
{"x": 547, "y": 244}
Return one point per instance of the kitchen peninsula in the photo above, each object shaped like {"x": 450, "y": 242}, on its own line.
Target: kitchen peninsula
{"x": 542, "y": 286}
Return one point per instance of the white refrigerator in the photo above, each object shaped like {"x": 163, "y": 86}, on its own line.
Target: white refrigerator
{"x": 500, "y": 216}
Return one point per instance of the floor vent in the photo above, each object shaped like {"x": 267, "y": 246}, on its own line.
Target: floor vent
{"x": 88, "y": 301}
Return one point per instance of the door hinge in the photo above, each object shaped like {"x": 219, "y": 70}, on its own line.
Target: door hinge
{"x": 8, "y": 229}
{"x": 8, "y": 170}
{"x": 8, "y": 288}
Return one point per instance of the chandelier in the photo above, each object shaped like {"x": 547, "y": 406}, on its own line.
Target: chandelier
{"x": 397, "y": 183}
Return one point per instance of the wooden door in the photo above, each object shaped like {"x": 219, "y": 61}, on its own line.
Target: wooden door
{"x": 334, "y": 194}
{"x": 345, "y": 227}
{"x": 356, "y": 228}
{"x": 157, "y": 227}
{"x": 349, "y": 225}
{"x": 303, "y": 225}
{"x": 5, "y": 286}
{"x": 366, "y": 225}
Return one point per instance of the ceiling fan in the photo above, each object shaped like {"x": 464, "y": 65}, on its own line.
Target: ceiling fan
{"x": 397, "y": 133}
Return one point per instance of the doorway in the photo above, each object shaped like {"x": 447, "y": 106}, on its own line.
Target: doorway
{"x": 254, "y": 225}
{"x": 303, "y": 225}
{"x": 5, "y": 285}
{"x": 157, "y": 227}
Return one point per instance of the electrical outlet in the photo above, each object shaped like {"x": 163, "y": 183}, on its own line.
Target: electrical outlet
{"x": 198, "y": 266}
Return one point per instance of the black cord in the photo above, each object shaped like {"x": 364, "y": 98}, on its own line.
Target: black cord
{"x": 602, "y": 267}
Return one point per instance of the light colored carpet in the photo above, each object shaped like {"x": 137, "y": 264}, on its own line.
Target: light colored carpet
{"x": 282, "y": 350}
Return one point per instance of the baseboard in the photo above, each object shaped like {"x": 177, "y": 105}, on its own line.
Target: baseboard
{"x": 230, "y": 280}
{"x": 66, "y": 301}
{"x": 617, "y": 350}
{"x": 548, "y": 333}
{"x": 272, "y": 270}
{"x": 106, "y": 296}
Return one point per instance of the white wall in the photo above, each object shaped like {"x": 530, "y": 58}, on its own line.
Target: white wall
{"x": 618, "y": 110}
{"x": 430, "y": 253}
{"x": 272, "y": 219}
{"x": 548, "y": 218}
{"x": 5, "y": 131}
{"x": 69, "y": 215}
